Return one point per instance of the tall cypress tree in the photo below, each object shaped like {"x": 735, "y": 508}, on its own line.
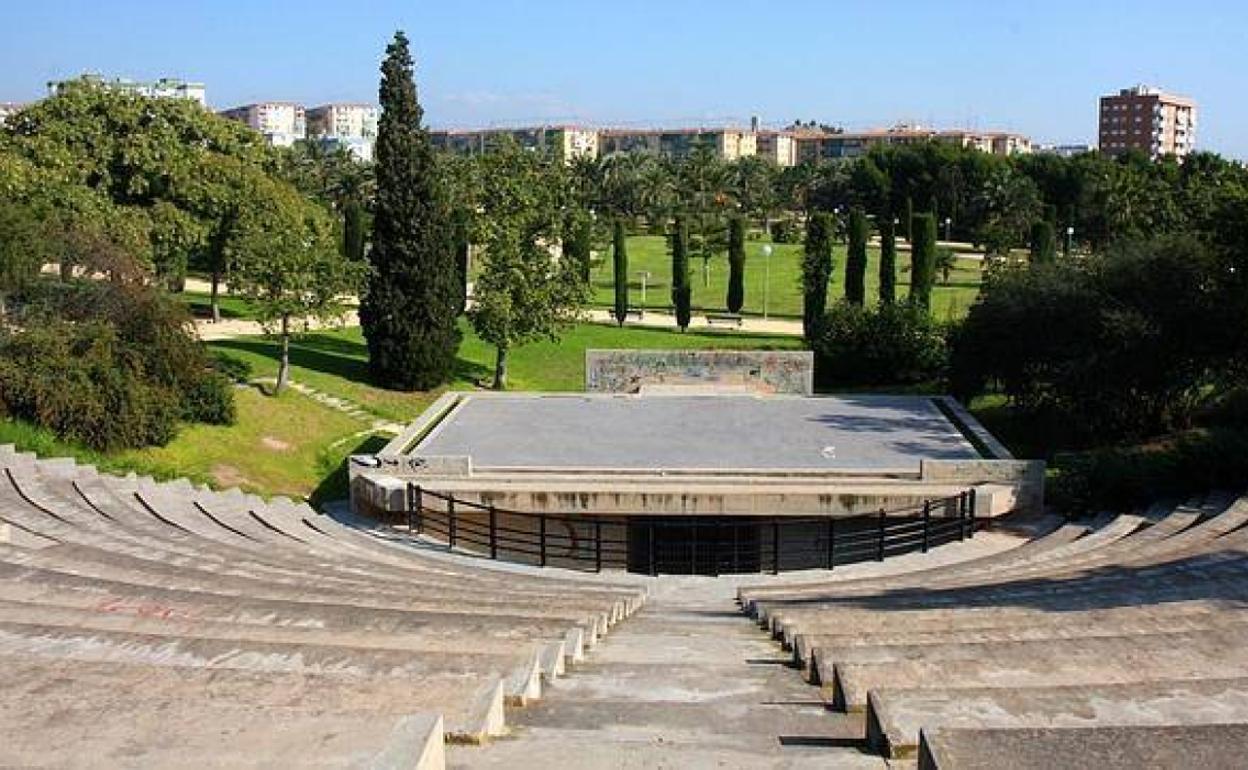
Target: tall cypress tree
{"x": 619, "y": 256}
{"x": 354, "y": 232}
{"x": 682, "y": 291}
{"x": 817, "y": 270}
{"x": 736, "y": 264}
{"x": 1043, "y": 243}
{"x": 462, "y": 245}
{"x": 578, "y": 243}
{"x": 907, "y": 221}
{"x": 410, "y": 306}
{"x": 888, "y": 260}
{"x": 856, "y": 263}
{"x": 922, "y": 259}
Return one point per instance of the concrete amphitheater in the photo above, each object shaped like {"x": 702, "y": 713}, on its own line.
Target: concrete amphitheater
{"x": 147, "y": 624}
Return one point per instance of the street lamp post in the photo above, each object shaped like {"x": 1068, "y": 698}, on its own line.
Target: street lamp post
{"x": 1070, "y": 237}
{"x": 644, "y": 275}
{"x": 948, "y": 224}
{"x": 766, "y": 277}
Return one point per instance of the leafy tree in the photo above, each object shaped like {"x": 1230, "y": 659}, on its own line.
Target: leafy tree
{"x": 1120, "y": 345}
{"x": 1043, "y": 243}
{"x": 922, "y": 259}
{"x": 817, "y": 268}
{"x": 736, "y": 264}
{"x": 681, "y": 290}
{"x": 891, "y": 344}
{"x": 409, "y": 309}
{"x": 524, "y": 292}
{"x": 888, "y": 261}
{"x": 288, "y": 266}
{"x": 619, "y": 257}
{"x": 856, "y": 262}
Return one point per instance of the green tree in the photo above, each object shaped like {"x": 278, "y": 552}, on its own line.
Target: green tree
{"x": 682, "y": 292}
{"x": 354, "y": 231}
{"x": 1043, "y": 243}
{"x": 408, "y": 311}
{"x": 619, "y": 257}
{"x": 856, "y": 262}
{"x": 523, "y": 292}
{"x": 888, "y": 260}
{"x": 817, "y": 268}
{"x": 578, "y": 243}
{"x": 922, "y": 259}
{"x": 288, "y": 266}
{"x": 736, "y": 264}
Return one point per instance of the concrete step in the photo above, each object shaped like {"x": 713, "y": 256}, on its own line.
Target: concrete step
{"x": 895, "y": 717}
{"x": 1210, "y": 747}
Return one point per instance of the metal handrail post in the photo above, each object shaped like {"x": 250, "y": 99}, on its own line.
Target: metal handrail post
{"x": 927, "y": 522}
{"x": 493, "y": 532}
{"x": 450, "y": 521}
{"x": 541, "y": 522}
{"x": 879, "y": 553}
{"x": 970, "y": 511}
{"x": 654, "y": 567}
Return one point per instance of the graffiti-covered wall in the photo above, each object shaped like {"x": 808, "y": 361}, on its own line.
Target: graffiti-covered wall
{"x": 627, "y": 371}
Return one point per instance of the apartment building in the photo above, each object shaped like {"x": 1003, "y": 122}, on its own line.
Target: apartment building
{"x": 281, "y": 123}
{"x": 1149, "y": 120}
{"x": 816, "y": 144}
{"x": 564, "y": 142}
{"x": 348, "y": 125}
{"x": 779, "y": 147}
{"x": 7, "y": 109}
{"x": 727, "y": 143}
{"x": 164, "y": 88}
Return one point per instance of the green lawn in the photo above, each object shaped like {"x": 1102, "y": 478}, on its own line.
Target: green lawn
{"x": 649, "y": 253}
{"x": 336, "y": 362}
{"x": 200, "y": 305}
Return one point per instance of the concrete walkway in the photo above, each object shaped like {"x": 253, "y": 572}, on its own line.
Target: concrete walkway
{"x": 689, "y": 682}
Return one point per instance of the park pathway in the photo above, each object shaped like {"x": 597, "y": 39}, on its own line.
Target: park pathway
{"x": 689, "y": 682}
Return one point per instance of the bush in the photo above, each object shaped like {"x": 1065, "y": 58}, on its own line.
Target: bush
{"x": 83, "y": 383}
{"x": 109, "y": 367}
{"x": 1124, "y": 478}
{"x": 893, "y": 344}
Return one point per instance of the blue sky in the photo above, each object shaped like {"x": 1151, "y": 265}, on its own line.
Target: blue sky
{"x": 1027, "y": 66}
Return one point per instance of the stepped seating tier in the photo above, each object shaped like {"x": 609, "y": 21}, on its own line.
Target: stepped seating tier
{"x": 1120, "y": 642}
{"x": 167, "y": 615}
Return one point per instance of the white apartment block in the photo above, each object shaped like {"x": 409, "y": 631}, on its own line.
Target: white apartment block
{"x": 350, "y": 126}
{"x": 7, "y": 109}
{"x": 164, "y": 88}
{"x": 281, "y": 123}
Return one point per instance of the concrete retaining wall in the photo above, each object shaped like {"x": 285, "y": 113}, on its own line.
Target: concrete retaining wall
{"x": 627, "y": 371}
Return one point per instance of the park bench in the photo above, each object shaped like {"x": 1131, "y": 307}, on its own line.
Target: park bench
{"x": 724, "y": 318}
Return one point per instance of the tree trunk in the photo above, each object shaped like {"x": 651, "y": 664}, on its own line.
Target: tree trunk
{"x": 214, "y": 301}
{"x": 500, "y": 369}
{"x": 283, "y": 368}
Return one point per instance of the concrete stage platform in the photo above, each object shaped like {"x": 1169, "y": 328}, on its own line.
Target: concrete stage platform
{"x": 698, "y": 432}
{"x": 696, "y": 454}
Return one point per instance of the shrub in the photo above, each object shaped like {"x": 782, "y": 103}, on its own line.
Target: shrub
{"x": 1122, "y": 478}
{"x": 893, "y": 344}
{"x": 83, "y": 383}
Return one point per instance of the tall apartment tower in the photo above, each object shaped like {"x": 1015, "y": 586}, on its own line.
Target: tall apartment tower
{"x": 1147, "y": 119}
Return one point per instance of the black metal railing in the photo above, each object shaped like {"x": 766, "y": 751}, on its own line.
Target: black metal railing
{"x": 703, "y": 545}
